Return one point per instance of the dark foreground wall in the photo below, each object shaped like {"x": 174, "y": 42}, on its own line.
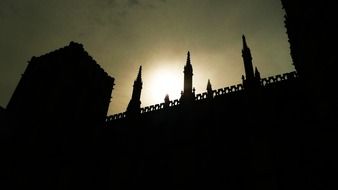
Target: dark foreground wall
{"x": 53, "y": 119}
{"x": 281, "y": 135}
{"x": 240, "y": 140}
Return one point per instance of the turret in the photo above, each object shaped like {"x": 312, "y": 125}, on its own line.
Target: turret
{"x": 188, "y": 73}
{"x": 209, "y": 90}
{"x": 251, "y": 79}
{"x": 134, "y": 106}
{"x": 247, "y": 59}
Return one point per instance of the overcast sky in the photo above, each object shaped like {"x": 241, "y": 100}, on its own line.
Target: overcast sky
{"x": 121, "y": 35}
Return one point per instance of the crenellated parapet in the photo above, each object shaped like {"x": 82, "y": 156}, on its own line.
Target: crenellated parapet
{"x": 116, "y": 116}
{"x": 265, "y": 82}
{"x": 278, "y": 78}
{"x": 146, "y": 109}
{"x": 156, "y": 107}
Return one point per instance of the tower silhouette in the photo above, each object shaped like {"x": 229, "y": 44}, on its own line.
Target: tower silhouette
{"x": 251, "y": 78}
{"x": 134, "y": 106}
{"x": 209, "y": 90}
{"x": 247, "y": 59}
{"x": 187, "y": 95}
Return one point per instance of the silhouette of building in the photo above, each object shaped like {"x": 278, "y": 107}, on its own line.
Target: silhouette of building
{"x": 277, "y": 132}
{"x": 251, "y": 79}
{"x": 311, "y": 31}
{"x": 66, "y": 84}
{"x": 188, "y": 93}
{"x": 3, "y": 127}
{"x": 2, "y": 113}
{"x": 311, "y": 28}
{"x": 134, "y": 106}
{"x": 220, "y": 138}
{"x": 55, "y": 113}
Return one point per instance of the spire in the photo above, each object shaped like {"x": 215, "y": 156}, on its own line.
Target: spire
{"x": 166, "y": 98}
{"x": 188, "y": 59}
{"x": 138, "y": 80}
{"x": 247, "y": 59}
{"x": 188, "y": 66}
{"x": 188, "y": 93}
{"x": 209, "y": 88}
{"x": 244, "y": 42}
{"x": 257, "y": 74}
{"x": 246, "y": 50}
{"x": 134, "y": 106}
{"x": 139, "y": 75}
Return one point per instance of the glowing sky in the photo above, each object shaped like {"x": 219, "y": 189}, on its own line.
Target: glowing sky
{"x": 121, "y": 35}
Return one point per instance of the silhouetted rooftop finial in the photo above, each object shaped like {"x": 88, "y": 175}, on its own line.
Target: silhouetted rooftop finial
{"x": 209, "y": 88}
{"x": 188, "y": 58}
{"x": 166, "y": 98}
{"x": 139, "y": 75}
{"x": 134, "y": 105}
{"x": 247, "y": 59}
{"x": 166, "y": 101}
{"x": 244, "y": 42}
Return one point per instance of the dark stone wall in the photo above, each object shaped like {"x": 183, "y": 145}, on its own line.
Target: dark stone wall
{"x": 54, "y": 118}
{"x": 312, "y": 30}
{"x": 238, "y": 140}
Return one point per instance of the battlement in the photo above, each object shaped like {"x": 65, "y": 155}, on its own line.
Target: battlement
{"x": 176, "y": 102}
{"x": 156, "y": 107}
{"x": 265, "y": 82}
{"x": 279, "y": 78}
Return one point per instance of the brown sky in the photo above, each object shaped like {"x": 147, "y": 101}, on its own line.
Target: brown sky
{"x": 121, "y": 35}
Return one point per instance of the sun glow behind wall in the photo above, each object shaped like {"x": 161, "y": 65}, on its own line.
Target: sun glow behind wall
{"x": 163, "y": 80}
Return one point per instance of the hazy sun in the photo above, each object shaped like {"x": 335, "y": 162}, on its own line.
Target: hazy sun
{"x": 164, "y": 82}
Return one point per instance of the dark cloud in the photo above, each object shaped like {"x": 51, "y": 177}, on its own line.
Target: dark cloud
{"x": 121, "y": 35}
{"x": 132, "y": 3}
{"x": 7, "y": 9}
